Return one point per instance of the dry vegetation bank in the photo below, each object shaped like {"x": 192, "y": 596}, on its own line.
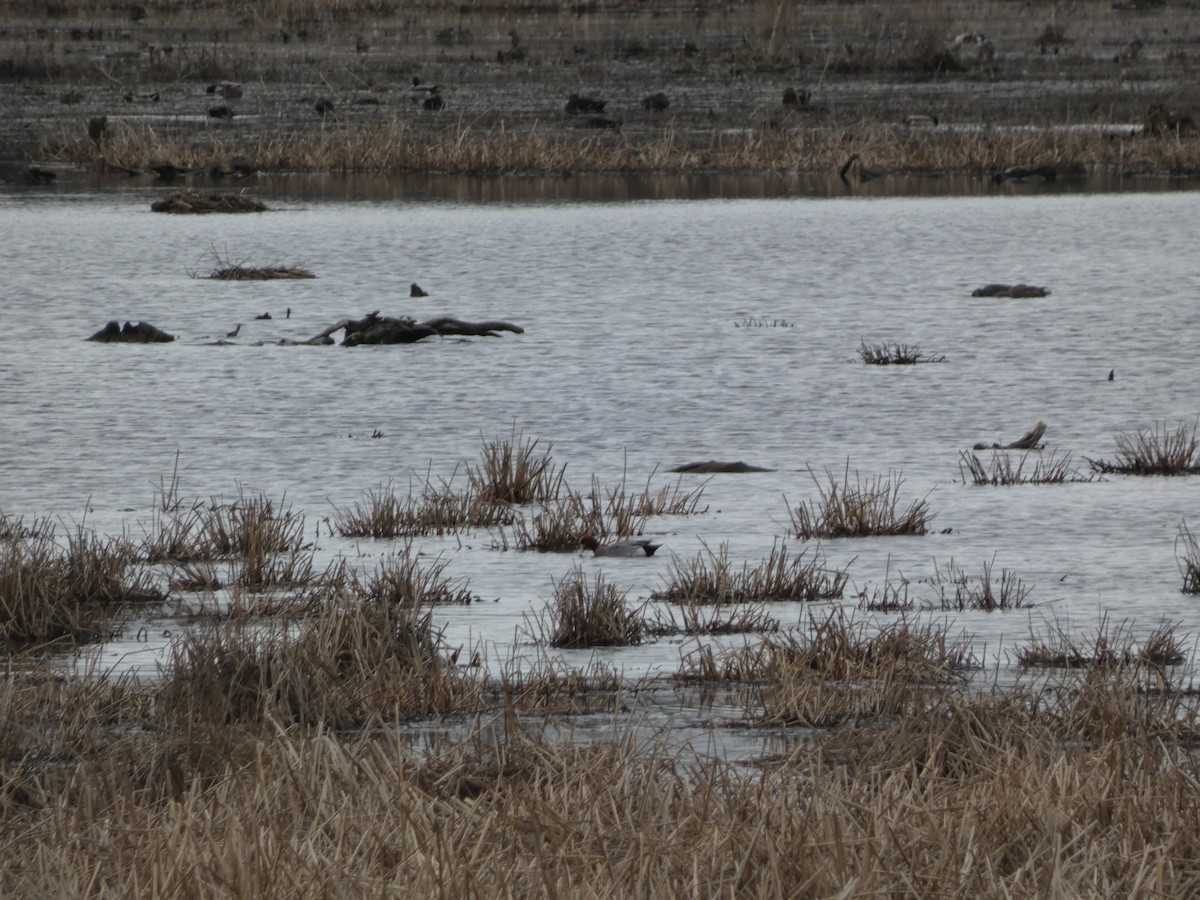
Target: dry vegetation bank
{"x": 912, "y": 786}
{"x": 748, "y": 87}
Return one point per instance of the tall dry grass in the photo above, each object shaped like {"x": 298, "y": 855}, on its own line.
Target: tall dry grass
{"x": 862, "y": 508}
{"x": 712, "y": 578}
{"x": 75, "y": 591}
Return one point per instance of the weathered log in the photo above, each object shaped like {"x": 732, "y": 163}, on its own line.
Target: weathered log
{"x": 141, "y": 333}
{"x": 714, "y": 466}
{"x": 1010, "y": 290}
{"x": 449, "y": 325}
{"x": 1028, "y": 441}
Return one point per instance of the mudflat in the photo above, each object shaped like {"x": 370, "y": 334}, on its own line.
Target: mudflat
{"x": 521, "y": 88}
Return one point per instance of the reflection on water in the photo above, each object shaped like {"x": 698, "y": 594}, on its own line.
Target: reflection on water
{"x": 569, "y": 188}
{"x": 634, "y": 359}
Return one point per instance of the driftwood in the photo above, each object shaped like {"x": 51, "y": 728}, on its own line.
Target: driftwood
{"x": 713, "y": 466}
{"x": 375, "y": 329}
{"x": 1028, "y": 441}
{"x": 1010, "y": 290}
{"x": 141, "y": 333}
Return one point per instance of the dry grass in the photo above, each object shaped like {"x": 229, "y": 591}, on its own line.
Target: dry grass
{"x": 1110, "y": 647}
{"x": 258, "y": 767}
{"x": 1154, "y": 451}
{"x": 1050, "y": 469}
{"x": 713, "y": 619}
{"x": 595, "y": 615}
{"x": 354, "y": 662}
{"x": 437, "y": 510}
{"x": 225, "y": 269}
{"x": 895, "y": 355}
{"x": 405, "y": 580}
{"x": 984, "y": 593}
{"x": 77, "y": 592}
{"x": 711, "y": 578}
{"x": 837, "y": 652}
{"x": 1187, "y": 555}
{"x": 513, "y": 471}
{"x": 862, "y": 509}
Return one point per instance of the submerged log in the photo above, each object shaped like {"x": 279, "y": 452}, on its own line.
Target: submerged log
{"x": 1010, "y": 290}
{"x": 1028, "y": 441}
{"x": 714, "y": 466}
{"x": 376, "y": 329}
{"x": 141, "y": 333}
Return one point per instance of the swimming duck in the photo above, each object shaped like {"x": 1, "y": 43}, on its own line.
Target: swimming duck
{"x": 639, "y": 547}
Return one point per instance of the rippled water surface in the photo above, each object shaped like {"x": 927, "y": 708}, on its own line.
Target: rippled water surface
{"x": 656, "y": 333}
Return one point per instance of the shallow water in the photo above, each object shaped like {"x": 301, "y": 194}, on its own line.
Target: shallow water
{"x": 656, "y": 333}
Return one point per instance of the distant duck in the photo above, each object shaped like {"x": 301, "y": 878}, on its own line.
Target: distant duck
{"x": 220, "y": 112}
{"x": 577, "y": 103}
{"x": 433, "y": 102}
{"x": 921, "y": 121}
{"x": 324, "y": 107}
{"x": 262, "y": 317}
{"x": 639, "y": 547}
{"x": 234, "y": 333}
{"x": 417, "y": 291}
{"x": 793, "y": 97}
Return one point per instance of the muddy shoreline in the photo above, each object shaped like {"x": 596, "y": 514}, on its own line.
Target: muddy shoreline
{"x": 752, "y": 87}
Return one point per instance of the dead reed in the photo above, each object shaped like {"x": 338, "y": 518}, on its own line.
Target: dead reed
{"x": 77, "y": 592}
{"x": 225, "y": 269}
{"x": 984, "y": 593}
{"x": 354, "y": 662}
{"x": 1187, "y": 556}
{"x": 512, "y": 471}
{"x": 436, "y": 510}
{"x": 712, "y": 619}
{"x": 837, "y": 651}
{"x": 595, "y": 615}
{"x": 1158, "y": 450}
{"x": 250, "y": 526}
{"x": 405, "y": 580}
{"x": 862, "y": 509}
{"x": 711, "y": 578}
{"x": 895, "y": 355}
{"x": 1050, "y": 469}
{"x": 1111, "y": 647}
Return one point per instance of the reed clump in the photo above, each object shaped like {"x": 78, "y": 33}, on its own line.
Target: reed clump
{"x": 75, "y": 592}
{"x": 1187, "y": 556}
{"x": 404, "y": 580}
{"x": 436, "y": 510}
{"x": 598, "y": 614}
{"x": 697, "y": 618}
{"x": 1111, "y": 647}
{"x": 196, "y": 202}
{"x": 957, "y": 591}
{"x": 712, "y": 578}
{"x": 512, "y": 470}
{"x": 355, "y": 661}
{"x": 1050, "y": 469}
{"x": 838, "y": 648}
{"x": 895, "y": 354}
{"x": 864, "y": 508}
{"x": 1159, "y": 450}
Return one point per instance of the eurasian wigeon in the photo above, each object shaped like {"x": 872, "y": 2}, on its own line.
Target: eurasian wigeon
{"x": 640, "y": 547}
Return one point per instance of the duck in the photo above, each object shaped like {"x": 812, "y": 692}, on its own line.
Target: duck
{"x": 638, "y": 547}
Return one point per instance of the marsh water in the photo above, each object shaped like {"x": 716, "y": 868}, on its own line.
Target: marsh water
{"x": 664, "y": 324}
